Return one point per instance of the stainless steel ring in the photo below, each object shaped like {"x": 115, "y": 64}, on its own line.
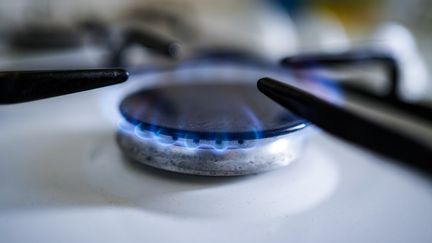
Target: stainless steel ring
{"x": 257, "y": 156}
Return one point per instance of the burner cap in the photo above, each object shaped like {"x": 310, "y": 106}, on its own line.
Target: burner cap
{"x": 211, "y": 111}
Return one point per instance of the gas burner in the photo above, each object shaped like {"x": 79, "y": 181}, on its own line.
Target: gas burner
{"x": 208, "y": 127}
{"x": 45, "y": 38}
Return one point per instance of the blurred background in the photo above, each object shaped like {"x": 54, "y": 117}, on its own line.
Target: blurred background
{"x": 38, "y": 34}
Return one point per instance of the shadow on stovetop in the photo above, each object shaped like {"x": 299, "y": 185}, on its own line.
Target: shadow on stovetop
{"x": 88, "y": 170}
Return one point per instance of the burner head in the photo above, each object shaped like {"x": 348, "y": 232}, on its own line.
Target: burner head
{"x": 207, "y": 117}
{"x": 219, "y": 112}
{"x": 217, "y": 129}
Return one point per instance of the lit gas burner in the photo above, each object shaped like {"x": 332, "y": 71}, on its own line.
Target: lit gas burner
{"x": 218, "y": 125}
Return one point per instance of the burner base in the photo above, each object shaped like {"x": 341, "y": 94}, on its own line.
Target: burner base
{"x": 266, "y": 154}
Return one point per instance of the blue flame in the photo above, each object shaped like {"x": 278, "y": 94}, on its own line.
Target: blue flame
{"x": 206, "y": 70}
{"x": 218, "y": 144}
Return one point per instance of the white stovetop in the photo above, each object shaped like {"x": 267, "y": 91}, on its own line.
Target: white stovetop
{"x": 62, "y": 179}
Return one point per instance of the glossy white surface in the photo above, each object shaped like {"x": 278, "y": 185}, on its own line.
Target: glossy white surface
{"x": 62, "y": 179}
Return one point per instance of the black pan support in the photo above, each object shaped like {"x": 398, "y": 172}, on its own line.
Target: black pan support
{"x": 308, "y": 61}
{"x": 22, "y": 86}
{"x": 351, "y": 127}
{"x": 356, "y": 57}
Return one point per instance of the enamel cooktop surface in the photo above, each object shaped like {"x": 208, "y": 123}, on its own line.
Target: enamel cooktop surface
{"x": 63, "y": 179}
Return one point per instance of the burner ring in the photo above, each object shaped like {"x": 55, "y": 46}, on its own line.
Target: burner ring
{"x": 189, "y": 122}
{"x": 270, "y": 153}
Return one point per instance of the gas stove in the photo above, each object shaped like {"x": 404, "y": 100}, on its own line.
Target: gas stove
{"x": 90, "y": 167}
